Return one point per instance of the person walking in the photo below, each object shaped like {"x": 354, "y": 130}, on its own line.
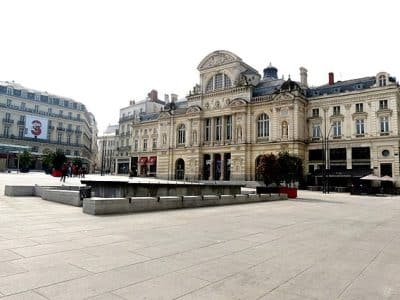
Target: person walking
{"x": 64, "y": 171}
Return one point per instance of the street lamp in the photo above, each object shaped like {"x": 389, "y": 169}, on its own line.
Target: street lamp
{"x": 325, "y": 159}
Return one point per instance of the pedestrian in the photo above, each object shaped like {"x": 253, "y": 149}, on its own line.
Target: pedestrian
{"x": 64, "y": 171}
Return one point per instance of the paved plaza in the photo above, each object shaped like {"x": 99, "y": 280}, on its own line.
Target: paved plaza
{"x": 319, "y": 246}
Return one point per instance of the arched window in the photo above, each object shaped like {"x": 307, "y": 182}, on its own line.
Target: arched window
{"x": 263, "y": 126}
{"x": 218, "y": 82}
{"x": 382, "y": 80}
{"x": 181, "y": 134}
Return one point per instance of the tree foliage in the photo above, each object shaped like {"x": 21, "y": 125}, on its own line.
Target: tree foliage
{"x": 285, "y": 167}
{"x": 48, "y": 158}
{"x": 25, "y": 160}
{"x": 59, "y": 160}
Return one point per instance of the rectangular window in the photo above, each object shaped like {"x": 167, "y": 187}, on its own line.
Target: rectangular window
{"x": 316, "y": 133}
{"x": 21, "y": 132}
{"x": 77, "y": 140}
{"x": 78, "y": 116}
{"x": 6, "y": 131}
{"x": 144, "y": 144}
{"x": 49, "y": 110}
{"x": 384, "y": 124}
{"x": 360, "y": 127}
{"x": 23, "y": 105}
{"x": 76, "y": 153}
{"x": 9, "y": 102}
{"x": 8, "y": 117}
{"x": 61, "y": 113}
{"x": 359, "y": 107}
{"x": 36, "y": 108}
{"x": 154, "y": 144}
{"x": 336, "y": 110}
{"x": 315, "y": 112}
{"x": 337, "y": 129}
{"x": 228, "y": 133}
{"x": 218, "y": 128}
{"x": 69, "y": 115}
{"x": 136, "y": 145}
{"x": 207, "y": 129}
{"x": 59, "y": 137}
{"x": 383, "y": 104}
{"x": 68, "y": 139}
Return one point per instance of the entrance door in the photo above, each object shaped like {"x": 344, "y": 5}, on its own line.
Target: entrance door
{"x": 180, "y": 169}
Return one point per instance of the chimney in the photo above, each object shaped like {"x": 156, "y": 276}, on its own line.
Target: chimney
{"x": 153, "y": 95}
{"x": 166, "y": 98}
{"x": 174, "y": 97}
{"x": 331, "y": 78}
{"x": 303, "y": 76}
{"x": 132, "y": 102}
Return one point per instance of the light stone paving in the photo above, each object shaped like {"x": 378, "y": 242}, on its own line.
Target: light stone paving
{"x": 319, "y": 246}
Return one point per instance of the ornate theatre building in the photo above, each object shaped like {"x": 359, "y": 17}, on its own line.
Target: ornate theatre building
{"x": 234, "y": 115}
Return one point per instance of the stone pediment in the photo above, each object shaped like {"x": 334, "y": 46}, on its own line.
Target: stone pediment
{"x": 193, "y": 110}
{"x": 218, "y": 58}
{"x": 237, "y": 102}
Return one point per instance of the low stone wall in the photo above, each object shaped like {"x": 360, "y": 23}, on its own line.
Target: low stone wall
{"x": 66, "y": 194}
{"x": 103, "y": 206}
{"x": 62, "y": 196}
{"x": 19, "y": 190}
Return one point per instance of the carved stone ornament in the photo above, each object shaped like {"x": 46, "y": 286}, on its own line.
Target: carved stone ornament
{"x": 238, "y": 102}
{"x": 193, "y": 110}
{"x": 217, "y": 60}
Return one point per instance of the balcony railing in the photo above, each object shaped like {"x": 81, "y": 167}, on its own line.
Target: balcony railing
{"x": 8, "y": 121}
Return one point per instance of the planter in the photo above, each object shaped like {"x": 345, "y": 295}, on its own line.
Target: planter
{"x": 56, "y": 173}
{"x": 291, "y": 192}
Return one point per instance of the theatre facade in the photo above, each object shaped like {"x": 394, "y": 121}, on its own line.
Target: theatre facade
{"x": 235, "y": 115}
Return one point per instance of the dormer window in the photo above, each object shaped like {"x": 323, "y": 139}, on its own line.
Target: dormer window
{"x": 219, "y": 81}
{"x": 382, "y": 80}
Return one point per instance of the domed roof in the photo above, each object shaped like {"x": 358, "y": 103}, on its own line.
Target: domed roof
{"x": 270, "y": 72}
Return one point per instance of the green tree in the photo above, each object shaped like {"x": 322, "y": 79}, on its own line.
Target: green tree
{"x": 268, "y": 168}
{"x": 48, "y": 159}
{"x": 284, "y": 167}
{"x": 25, "y": 160}
{"x": 290, "y": 168}
{"x": 59, "y": 159}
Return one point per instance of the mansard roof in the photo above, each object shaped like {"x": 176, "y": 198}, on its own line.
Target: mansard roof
{"x": 342, "y": 86}
{"x": 267, "y": 87}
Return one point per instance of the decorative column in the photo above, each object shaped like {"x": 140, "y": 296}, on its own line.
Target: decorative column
{"x": 212, "y": 129}
{"x": 348, "y": 158}
{"x": 234, "y": 140}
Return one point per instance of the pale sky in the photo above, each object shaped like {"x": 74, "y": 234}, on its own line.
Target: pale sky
{"x": 105, "y": 53}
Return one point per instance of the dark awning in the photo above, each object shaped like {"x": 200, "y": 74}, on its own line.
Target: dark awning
{"x": 143, "y": 160}
{"x": 152, "y": 160}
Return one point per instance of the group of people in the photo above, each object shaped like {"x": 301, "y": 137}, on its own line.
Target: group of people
{"x": 69, "y": 169}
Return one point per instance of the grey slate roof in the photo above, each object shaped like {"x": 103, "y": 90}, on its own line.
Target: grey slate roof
{"x": 267, "y": 87}
{"x": 342, "y": 86}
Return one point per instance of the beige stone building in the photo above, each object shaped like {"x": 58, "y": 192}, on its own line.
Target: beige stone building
{"x": 43, "y": 121}
{"x": 234, "y": 115}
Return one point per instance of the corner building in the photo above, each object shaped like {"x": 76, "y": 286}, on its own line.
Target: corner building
{"x": 235, "y": 115}
{"x": 44, "y": 121}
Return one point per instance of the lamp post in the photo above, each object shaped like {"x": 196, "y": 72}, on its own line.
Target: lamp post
{"x": 325, "y": 159}
{"x": 102, "y": 157}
